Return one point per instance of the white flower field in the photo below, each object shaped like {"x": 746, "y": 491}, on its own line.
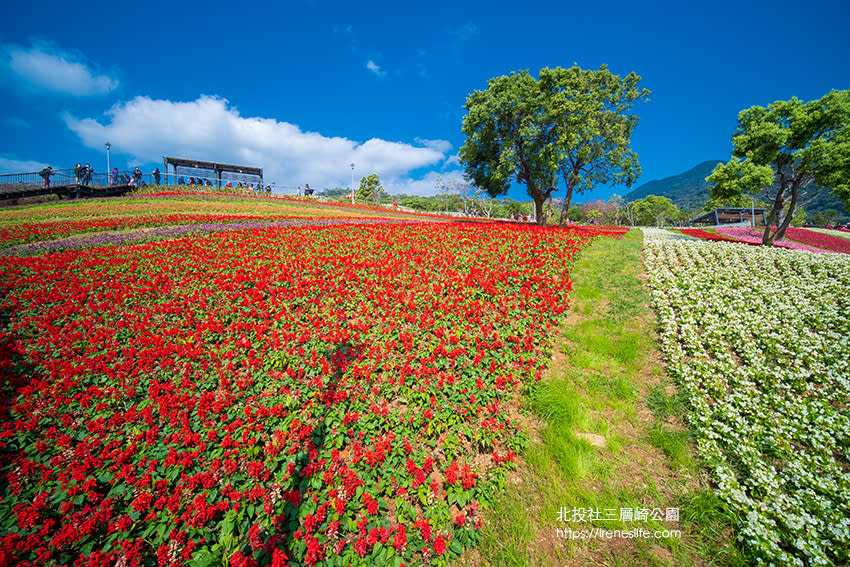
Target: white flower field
{"x": 759, "y": 339}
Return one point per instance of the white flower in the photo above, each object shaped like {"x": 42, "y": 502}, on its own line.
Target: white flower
{"x": 759, "y": 339}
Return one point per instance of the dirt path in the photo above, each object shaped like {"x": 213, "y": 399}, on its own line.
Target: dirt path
{"x": 607, "y": 443}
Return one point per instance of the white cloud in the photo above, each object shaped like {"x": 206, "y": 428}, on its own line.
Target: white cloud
{"x": 372, "y": 66}
{"x": 442, "y": 146}
{"x": 10, "y": 164}
{"x": 45, "y": 67}
{"x": 426, "y": 185}
{"x": 210, "y": 129}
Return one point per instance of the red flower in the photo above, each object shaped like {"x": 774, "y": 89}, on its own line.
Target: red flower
{"x": 400, "y": 539}
{"x": 439, "y": 545}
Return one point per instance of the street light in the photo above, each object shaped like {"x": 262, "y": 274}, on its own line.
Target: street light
{"x": 108, "y": 169}
{"x": 352, "y": 183}
{"x": 752, "y": 211}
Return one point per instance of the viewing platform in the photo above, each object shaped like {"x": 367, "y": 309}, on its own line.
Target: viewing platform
{"x": 63, "y": 184}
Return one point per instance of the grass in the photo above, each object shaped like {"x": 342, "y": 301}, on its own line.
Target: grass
{"x": 607, "y": 433}
{"x": 144, "y": 206}
{"x": 558, "y": 403}
{"x": 674, "y": 444}
{"x": 664, "y": 405}
{"x": 139, "y": 205}
{"x": 830, "y": 232}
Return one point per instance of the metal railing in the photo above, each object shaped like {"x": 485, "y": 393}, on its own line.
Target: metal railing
{"x": 33, "y": 183}
{"x": 66, "y": 177}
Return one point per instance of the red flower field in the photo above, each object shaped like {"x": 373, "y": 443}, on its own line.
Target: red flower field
{"x": 321, "y": 395}
{"x": 706, "y": 235}
{"x": 21, "y": 233}
{"x": 825, "y": 241}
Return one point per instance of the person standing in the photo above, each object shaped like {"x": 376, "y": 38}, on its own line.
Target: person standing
{"x": 114, "y": 176}
{"x": 45, "y": 174}
{"x": 87, "y": 173}
{"x": 137, "y": 177}
{"x": 78, "y": 173}
{"x": 156, "y": 175}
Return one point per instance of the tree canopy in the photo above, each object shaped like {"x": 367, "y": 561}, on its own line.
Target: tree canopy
{"x": 570, "y": 123}
{"x": 653, "y": 210}
{"x": 370, "y": 188}
{"x": 590, "y": 113}
{"x": 508, "y": 138}
{"x": 786, "y": 148}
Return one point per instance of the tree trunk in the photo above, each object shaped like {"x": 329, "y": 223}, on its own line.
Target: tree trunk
{"x": 784, "y": 223}
{"x": 566, "y": 208}
{"x": 538, "y": 210}
{"x": 778, "y": 203}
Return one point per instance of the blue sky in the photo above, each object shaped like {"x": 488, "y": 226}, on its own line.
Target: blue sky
{"x": 305, "y": 88}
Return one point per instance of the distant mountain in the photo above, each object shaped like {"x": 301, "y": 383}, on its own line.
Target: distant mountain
{"x": 688, "y": 190}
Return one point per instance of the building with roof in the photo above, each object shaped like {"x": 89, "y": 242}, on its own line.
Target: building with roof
{"x": 732, "y": 215}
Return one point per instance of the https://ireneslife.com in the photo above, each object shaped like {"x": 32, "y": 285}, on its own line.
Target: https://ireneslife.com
{"x": 633, "y": 533}
{"x": 626, "y": 515}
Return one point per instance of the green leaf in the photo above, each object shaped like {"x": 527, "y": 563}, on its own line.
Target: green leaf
{"x": 228, "y": 522}
{"x": 203, "y": 558}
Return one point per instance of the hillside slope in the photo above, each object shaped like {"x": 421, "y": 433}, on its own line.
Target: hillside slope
{"x": 690, "y": 191}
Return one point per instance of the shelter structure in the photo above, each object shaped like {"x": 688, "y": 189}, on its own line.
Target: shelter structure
{"x": 195, "y": 167}
{"x": 732, "y": 215}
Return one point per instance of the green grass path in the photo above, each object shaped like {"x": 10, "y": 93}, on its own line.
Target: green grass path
{"x": 606, "y": 434}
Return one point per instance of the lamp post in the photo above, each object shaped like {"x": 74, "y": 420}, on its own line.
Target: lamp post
{"x": 352, "y": 183}
{"x": 108, "y": 169}
{"x": 752, "y": 212}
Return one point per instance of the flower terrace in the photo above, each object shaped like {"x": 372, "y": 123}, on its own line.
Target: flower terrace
{"x": 324, "y": 394}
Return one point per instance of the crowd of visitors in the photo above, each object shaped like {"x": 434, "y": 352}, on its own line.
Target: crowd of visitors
{"x": 834, "y": 226}
{"x": 194, "y": 181}
{"x": 83, "y": 175}
{"x": 521, "y": 217}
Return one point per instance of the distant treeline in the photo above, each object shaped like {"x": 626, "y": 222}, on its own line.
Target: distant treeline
{"x": 652, "y": 210}
{"x": 445, "y": 202}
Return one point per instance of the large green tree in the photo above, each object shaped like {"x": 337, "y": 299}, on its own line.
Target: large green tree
{"x": 654, "y": 210}
{"x": 569, "y": 123}
{"x": 590, "y": 112}
{"x": 370, "y": 188}
{"x": 510, "y": 138}
{"x": 784, "y": 150}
